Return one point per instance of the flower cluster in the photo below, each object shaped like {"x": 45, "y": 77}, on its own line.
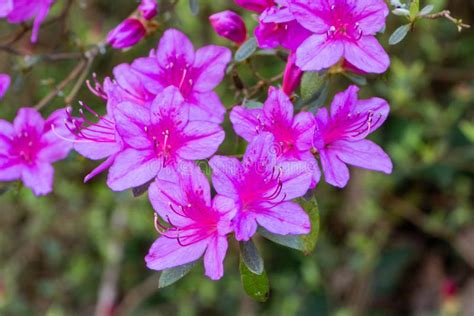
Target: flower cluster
{"x": 19, "y": 11}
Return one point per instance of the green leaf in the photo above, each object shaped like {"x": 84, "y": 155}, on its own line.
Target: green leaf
{"x": 251, "y": 257}
{"x": 426, "y": 10}
{"x": 246, "y": 50}
{"x": 314, "y": 91}
{"x": 139, "y": 191}
{"x": 357, "y": 79}
{"x": 170, "y": 276}
{"x": 414, "y": 8}
{"x": 252, "y": 104}
{"x": 290, "y": 241}
{"x": 256, "y": 286}
{"x": 310, "y": 205}
{"x": 194, "y": 6}
{"x": 399, "y": 34}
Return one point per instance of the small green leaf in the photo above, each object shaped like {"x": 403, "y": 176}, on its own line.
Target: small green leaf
{"x": 194, "y": 6}
{"x": 357, "y": 79}
{"x": 426, "y": 10}
{"x": 314, "y": 91}
{"x": 252, "y": 104}
{"x": 290, "y": 241}
{"x": 256, "y": 286}
{"x": 399, "y": 34}
{"x": 310, "y": 205}
{"x": 246, "y": 50}
{"x": 251, "y": 257}
{"x": 170, "y": 276}
{"x": 414, "y": 8}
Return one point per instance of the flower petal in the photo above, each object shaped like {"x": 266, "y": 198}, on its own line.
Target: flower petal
{"x": 214, "y": 257}
{"x": 245, "y": 225}
{"x": 378, "y": 106}
{"x": 206, "y": 106}
{"x": 210, "y": 64}
{"x": 284, "y": 219}
{"x": 201, "y": 141}
{"x": 225, "y": 174}
{"x": 371, "y": 15}
{"x": 335, "y": 170}
{"x": 131, "y": 121}
{"x": 303, "y": 126}
{"x": 175, "y": 45}
{"x": 318, "y": 52}
{"x": 363, "y": 154}
{"x": 132, "y": 168}
{"x": 9, "y": 170}
{"x": 296, "y": 178}
{"x": 367, "y": 54}
{"x": 246, "y": 122}
{"x": 278, "y": 108}
{"x": 167, "y": 253}
{"x": 38, "y": 177}
{"x": 310, "y": 15}
{"x": 169, "y": 104}
{"x": 28, "y": 119}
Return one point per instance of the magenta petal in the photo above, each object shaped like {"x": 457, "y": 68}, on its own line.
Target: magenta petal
{"x": 6, "y": 6}
{"x": 225, "y": 173}
{"x": 6, "y": 134}
{"x": 363, "y": 154}
{"x": 40, "y": 17}
{"x": 336, "y": 172}
{"x": 303, "y": 125}
{"x": 96, "y": 150}
{"x": 174, "y": 44}
{"x": 167, "y": 253}
{"x": 375, "y": 105}
{"x": 367, "y": 54}
{"x": 206, "y": 106}
{"x": 278, "y": 107}
{"x": 214, "y": 257}
{"x": 246, "y": 121}
{"x": 131, "y": 121}
{"x": 227, "y": 208}
{"x": 344, "y": 102}
{"x": 313, "y": 166}
{"x": 317, "y": 53}
{"x": 210, "y": 64}
{"x": 28, "y": 119}
{"x": 309, "y": 14}
{"x": 285, "y": 218}
{"x": 132, "y": 168}
{"x": 202, "y": 140}
{"x": 150, "y": 73}
{"x": 371, "y": 15}
{"x": 39, "y": 178}
{"x": 245, "y": 225}
{"x": 101, "y": 168}
{"x": 169, "y": 104}
{"x": 9, "y": 170}
{"x": 262, "y": 152}
{"x": 296, "y": 178}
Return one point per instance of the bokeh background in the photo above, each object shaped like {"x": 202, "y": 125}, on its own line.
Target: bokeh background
{"x": 389, "y": 245}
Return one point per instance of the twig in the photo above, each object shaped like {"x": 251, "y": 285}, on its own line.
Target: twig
{"x": 447, "y": 15}
{"x": 137, "y": 295}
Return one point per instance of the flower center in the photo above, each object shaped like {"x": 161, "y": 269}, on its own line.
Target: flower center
{"x": 26, "y": 146}
{"x": 180, "y": 75}
{"x": 343, "y": 24}
{"x": 266, "y": 187}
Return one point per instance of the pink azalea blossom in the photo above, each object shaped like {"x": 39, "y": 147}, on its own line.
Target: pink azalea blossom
{"x": 127, "y": 34}
{"x": 341, "y": 29}
{"x": 195, "y": 74}
{"x": 230, "y": 25}
{"x": 293, "y": 134}
{"x": 262, "y": 188}
{"x": 292, "y": 75}
{"x": 196, "y": 226}
{"x": 159, "y": 137}
{"x": 4, "y": 84}
{"x": 29, "y": 146}
{"x": 18, "y": 11}
{"x": 148, "y": 9}
{"x": 340, "y": 136}
{"x": 278, "y": 27}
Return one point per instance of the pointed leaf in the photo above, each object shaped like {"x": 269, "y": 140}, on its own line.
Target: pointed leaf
{"x": 170, "y": 276}
{"x": 399, "y": 34}
{"x": 426, "y": 10}
{"x": 357, "y": 79}
{"x": 251, "y": 257}
{"x": 290, "y": 241}
{"x": 246, "y": 50}
{"x": 256, "y": 286}
{"x": 194, "y": 6}
{"x": 310, "y": 205}
{"x": 252, "y": 104}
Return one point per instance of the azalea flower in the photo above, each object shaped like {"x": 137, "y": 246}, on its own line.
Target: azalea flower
{"x": 278, "y": 27}
{"x": 159, "y": 137}
{"x": 341, "y": 29}
{"x": 195, "y": 74}
{"x": 230, "y": 25}
{"x": 18, "y": 11}
{"x": 127, "y": 34}
{"x": 29, "y": 146}
{"x": 292, "y": 75}
{"x": 293, "y": 134}
{"x": 148, "y": 9}
{"x": 340, "y": 136}
{"x": 196, "y": 226}
{"x": 4, "y": 84}
{"x": 262, "y": 189}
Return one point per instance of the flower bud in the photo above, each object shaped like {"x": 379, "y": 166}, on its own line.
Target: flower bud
{"x": 148, "y": 9}
{"x": 255, "y": 5}
{"x": 292, "y": 76}
{"x": 4, "y": 84}
{"x": 127, "y": 33}
{"x": 230, "y": 25}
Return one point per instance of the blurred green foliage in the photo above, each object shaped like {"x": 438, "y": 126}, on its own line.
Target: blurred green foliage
{"x": 388, "y": 244}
